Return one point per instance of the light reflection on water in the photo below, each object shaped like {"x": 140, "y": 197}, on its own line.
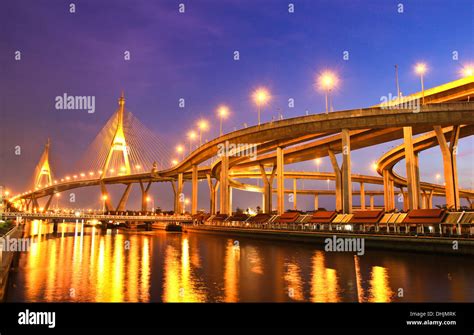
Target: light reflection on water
{"x": 85, "y": 264}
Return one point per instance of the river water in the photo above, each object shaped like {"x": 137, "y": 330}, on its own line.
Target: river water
{"x": 85, "y": 264}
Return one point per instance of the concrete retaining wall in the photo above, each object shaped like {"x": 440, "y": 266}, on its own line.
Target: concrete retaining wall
{"x": 6, "y": 259}
{"x": 437, "y": 245}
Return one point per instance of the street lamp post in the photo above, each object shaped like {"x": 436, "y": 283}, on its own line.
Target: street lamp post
{"x": 202, "y": 125}
{"x": 261, "y": 96}
{"x": 180, "y": 150}
{"x": 420, "y": 69}
{"x": 327, "y": 81}
{"x": 223, "y": 111}
{"x": 191, "y": 136}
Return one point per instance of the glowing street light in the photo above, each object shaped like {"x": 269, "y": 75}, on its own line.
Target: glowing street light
{"x": 467, "y": 71}
{"x": 174, "y": 162}
{"x": 438, "y": 177}
{"x": 260, "y": 96}
{"x": 318, "y": 162}
{"x": 374, "y": 166}
{"x": 148, "y": 199}
{"x": 327, "y": 81}
{"x": 186, "y": 202}
{"x": 191, "y": 136}
{"x": 223, "y": 112}
{"x": 180, "y": 150}
{"x": 421, "y": 69}
{"x": 104, "y": 198}
{"x": 203, "y": 126}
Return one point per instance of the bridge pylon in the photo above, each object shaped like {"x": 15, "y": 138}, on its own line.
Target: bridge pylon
{"x": 119, "y": 142}
{"x": 43, "y": 169}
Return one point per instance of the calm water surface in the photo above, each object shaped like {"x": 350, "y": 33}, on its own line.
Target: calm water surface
{"x": 85, "y": 264}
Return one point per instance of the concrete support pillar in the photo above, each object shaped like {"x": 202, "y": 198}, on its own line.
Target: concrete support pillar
{"x": 181, "y": 197}
{"x": 108, "y": 201}
{"x": 371, "y": 201}
{"x": 145, "y": 190}
{"x": 280, "y": 163}
{"x": 338, "y": 180}
{"x": 469, "y": 201}
{"x": 267, "y": 188}
{"x": 449, "y": 153}
{"x": 36, "y": 204}
{"x": 194, "y": 195}
{"x": 362, "y": 196}
{"x": 295, "y": 205}
{"x": 178, "y": 194}
{"x": 411, "y": 169}
{"x": 123, "y": 200}
{"x": 230, "y": 201}
{"x": 423, "y": 201}
{"x": 392, "y": 193}
{"x": 46, "y": 206}
{"x": 387, "y": 191}
{"x": 405, "y": 199}
{"x": 430, "y": 199}
{"x": 316, "y": 202}
{"x": 346, "y": 172}
{"x": 224, "y": 185}
{"x": 417, "y": 176}
{"x": 212, "y": 195}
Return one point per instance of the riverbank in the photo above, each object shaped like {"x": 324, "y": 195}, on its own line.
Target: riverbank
{"x": 6, "y": 259}
{"x": 424, "y": 244}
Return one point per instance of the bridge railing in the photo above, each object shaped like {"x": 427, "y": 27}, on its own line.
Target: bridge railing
{"x": 99, "y": 217}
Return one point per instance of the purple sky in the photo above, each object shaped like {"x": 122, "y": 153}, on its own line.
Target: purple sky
{"x": 190, "y": 56}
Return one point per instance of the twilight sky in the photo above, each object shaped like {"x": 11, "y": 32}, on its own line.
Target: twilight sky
{"x": 190, "y": 55}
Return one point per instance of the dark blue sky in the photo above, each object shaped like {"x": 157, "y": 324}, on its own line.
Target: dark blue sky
{"x": 190, "y": 56}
